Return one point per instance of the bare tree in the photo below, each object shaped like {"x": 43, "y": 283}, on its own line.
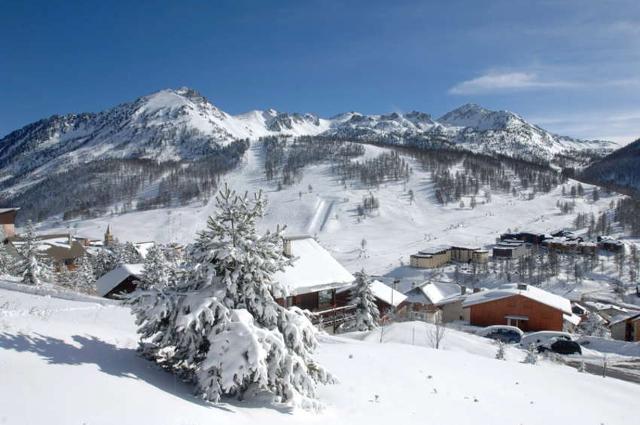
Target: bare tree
{"x": 435, "y": 334}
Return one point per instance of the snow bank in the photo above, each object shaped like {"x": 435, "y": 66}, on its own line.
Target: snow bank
{"x": 90, "y": 349}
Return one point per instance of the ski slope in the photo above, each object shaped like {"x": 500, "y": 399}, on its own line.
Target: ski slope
{"x": 74, "y": 362}
{"x": 398, "y": 229}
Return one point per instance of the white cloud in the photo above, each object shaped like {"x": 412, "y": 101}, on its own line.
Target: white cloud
{"x": 621, "y": 126}
{"x": 492, "y": 82}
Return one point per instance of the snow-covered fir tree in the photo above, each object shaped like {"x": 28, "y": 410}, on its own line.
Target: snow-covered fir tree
{"x": 367, "y": 314}
{"x": 7, "y": 261}
{"x": 158, "y": 271}
{"x": 126, "y": 253}
{"x": 64, "y": 277}
{"x": 83, "y": 278}
{"x": 220, "y": 326}
{"x": 103, "y": 262}
{"x": 31, "y": 267}
{"x": 594, "y": 325}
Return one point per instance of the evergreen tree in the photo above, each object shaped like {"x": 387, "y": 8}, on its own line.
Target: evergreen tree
{"x": 220, "y": 326}
{"x": 593, "y": 325}
{"x": 126, "y": 253}
{"x": 7, "y": 261}
{"x": 31, "y": 267}
{"x": 158, "y": 271}
{"x": 83, "y": 278}
{"x": 64, "y": 277}
{"x": 367, "y": 314}
{"x": 103, "y": 262}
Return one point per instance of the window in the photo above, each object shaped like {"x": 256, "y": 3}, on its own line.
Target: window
{"x": 325, "y": 299}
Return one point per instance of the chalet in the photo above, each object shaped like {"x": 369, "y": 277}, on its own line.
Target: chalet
{"x": 510, "y": 249}
{"x": 119, "y": 281}
{"x": 434, "y": 300}
{"x": 62, "y": 249}
{"x": 311, "y": 282}
{"x": 440, "y": 255}
{"x": 626, "y": 327}
{"x": 521, "y": 305}
{"x": 7, "y": 220}
{"x": 387, "y": 298}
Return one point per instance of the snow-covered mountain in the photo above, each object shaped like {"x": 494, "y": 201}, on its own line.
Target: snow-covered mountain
{"x": 181, "y": 124}
{"x": 503, "y": 132}
{"x": 167, "y": 125}
{"x": 620, "y": 169}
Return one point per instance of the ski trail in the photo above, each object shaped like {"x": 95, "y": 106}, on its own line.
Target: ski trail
{"x": 324, "y": 209}
{"x": 318, "y": 215}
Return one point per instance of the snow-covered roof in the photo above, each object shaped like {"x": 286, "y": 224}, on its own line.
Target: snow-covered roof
{"x": 572, "y": 318}
{"x": 313, "y": 270}
{"x": 6, "y": 210}
{"x": 143, "y": 248}
{"x": 109, "y": 281}
{"x": 434, "y": 249}
{"x": 386, "y": 293}
{"x": 624, "y": 317}
{"x": 531, "y": 292}
{"x": 441, "y": 292}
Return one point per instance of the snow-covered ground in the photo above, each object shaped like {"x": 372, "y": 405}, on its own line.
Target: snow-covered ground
{"x": 397, "y": 230}
{"x": 74, "y": 362}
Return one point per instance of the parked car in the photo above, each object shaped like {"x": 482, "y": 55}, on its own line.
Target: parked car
{"x": 543, "y": 338}
{"x": 504, "y": 333}
{"x": 557, "y": 342}
{"x": 562, "y": 346}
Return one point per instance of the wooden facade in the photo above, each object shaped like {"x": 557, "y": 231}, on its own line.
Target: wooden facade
{"x": 627, "y": 329}
{"x": 517, "y": 310}
{"x": 7, "y": 221}
{"x": 127, "y": 286}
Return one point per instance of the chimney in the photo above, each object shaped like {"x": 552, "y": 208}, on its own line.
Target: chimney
{"x": 287, "y": 247}
{"x": 522, "y": 286}
{"x": 463, "y": 289}
{"x": 476, "y": 290}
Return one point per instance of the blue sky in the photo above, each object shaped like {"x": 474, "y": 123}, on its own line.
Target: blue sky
{"x": 571, "y": 66}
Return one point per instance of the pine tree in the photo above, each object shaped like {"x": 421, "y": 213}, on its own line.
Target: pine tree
{"x": 367, "y": 314}
{"x": 103, "y": 262}
{"x": 31, "y": 267}
{"x": 83, "y": 277}
{"x": 7, "y": 261}
{"x": 593, "y": 325}
{"x": 220, "y": 326}
{"x": 64, "y": 277}
{"x": 158, "y": 271}
{"x": 126, "y": 253}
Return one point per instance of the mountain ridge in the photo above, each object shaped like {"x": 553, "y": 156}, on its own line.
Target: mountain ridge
{"x": 182, "y": 124}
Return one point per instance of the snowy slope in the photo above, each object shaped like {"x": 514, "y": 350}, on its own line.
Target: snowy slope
{"x": 398, "y": 229}
{"x": 169, "y": 125}
{"x": 181, "y": 124}
{"x": 75, "y": 362}
{"x": 620, "y": 169}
